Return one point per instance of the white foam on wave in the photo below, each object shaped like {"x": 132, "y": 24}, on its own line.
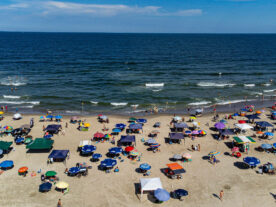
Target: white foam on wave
{"x": 156, "y": 90}
{"x": 20, "y": 102}
{"x": 199, "y": 103}
{"x": 211, "y": 84}
{"x": 134, "y": 105}
{"x": 232, "y": 101}
{"x": 11, "y": 97}
{"x": 13, "y": 81}
{"x": 155, "y": 85}
{"x": 267, "y": 84}
{"x": 118, "y": 104}
{"x": 28, "y": 107}
{"x": 94, "y": 102}
{"x": 72, "y": 112}
{"x": 249, "y": 85}
{"x": 268, "y": 91}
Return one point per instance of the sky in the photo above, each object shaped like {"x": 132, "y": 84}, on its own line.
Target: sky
{"x": 143, "y": 16}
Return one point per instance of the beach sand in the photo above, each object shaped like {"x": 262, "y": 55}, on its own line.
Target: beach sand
{"x": 203, "y": 181}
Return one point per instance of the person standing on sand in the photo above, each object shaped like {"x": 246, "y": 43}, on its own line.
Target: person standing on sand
{"x": 59, "y": 203}
{"x": 198, "y": 147}
{"x": 221, "y": 194}
{"x": 66, "y": 125}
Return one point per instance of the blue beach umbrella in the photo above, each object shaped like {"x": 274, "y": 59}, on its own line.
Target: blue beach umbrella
{"x": 264, "y": 124}
{"x": 188, "y": 132}
{"x": 181, "y": 192}
{"x": 269, "y": 134}
{"x": 151, "y": 141}
{"x": 266, "y": 146}
{"x": 115, "y": 150}
{"x": 6, "y": 164}
{"x": 58, "y": 117}
{"x": 253, "y": 116}
{"x": 223, "y": 121}
{"x": 108, "y": 163}
{"x": 235, "y": 114}
{"x": 141, "y": 121}
{"x": 44, "y": 187}
{"x": 251, "y": 161}
{"x": 116, "y": 130}
{"x": 162, "y": 194}
{"x": 154, "y": 145}
{"x": 88, "y": 149}
{"x": 74, "y": 170}
{"x": 49, "y": 136}
{"x": 49, "y": 116}
{"x": 96, "y": 156}
{"x": 145, "y": 166}
{"x": 274, "y": 145}
{"x": 19, "y": 140}
{"x": 120, "y": 126}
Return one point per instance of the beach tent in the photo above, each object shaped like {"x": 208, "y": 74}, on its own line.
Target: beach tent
{"x": 243, "y": 126}
{"x": 176, "y": 136}
{"x": 263, "y": 124}
{"x": 180, "y": 126}
{"x": 59, "y": 155}
{"x": 84, "y": 142}
{"x": 135, "y": 126}
{"x": 150, "y": 184}
{"x": 53, "y": 128}
{"x": 128, "y": 139}
{"x": 5, "y": 145}
{"x": 244, "y": 139}
{"x": 40, "y": 144}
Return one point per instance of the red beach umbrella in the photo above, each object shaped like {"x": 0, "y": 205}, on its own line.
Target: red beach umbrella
{"x": 242, "y": 121}
{"x": 98, "y": 135}
{"x": 129, "y": 149}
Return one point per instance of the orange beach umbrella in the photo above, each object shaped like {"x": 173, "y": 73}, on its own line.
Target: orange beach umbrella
{"x": 23, "y": 169}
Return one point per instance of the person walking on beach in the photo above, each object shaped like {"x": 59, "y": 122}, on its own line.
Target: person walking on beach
{"x": 198, "y": 147}
{"x": 66, "y": 125}
{"x": 59, "y": 203}
{"x": 221, "y": 194}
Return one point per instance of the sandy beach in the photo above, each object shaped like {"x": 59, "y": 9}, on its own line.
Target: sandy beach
{"x": 203, "y": 181}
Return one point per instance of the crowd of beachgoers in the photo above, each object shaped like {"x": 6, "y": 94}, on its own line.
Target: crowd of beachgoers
{"x": 199, "y": 159}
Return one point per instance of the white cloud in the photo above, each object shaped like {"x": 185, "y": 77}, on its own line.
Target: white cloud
{"x": 68, "y": 8}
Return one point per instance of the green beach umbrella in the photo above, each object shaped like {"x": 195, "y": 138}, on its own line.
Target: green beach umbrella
{"x": 28, "y": 140}
{"x": 50, "y": 173}
{"x": 132, "y": 119}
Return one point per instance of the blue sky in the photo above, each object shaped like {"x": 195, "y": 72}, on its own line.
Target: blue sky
{"x": 166, "y": 16}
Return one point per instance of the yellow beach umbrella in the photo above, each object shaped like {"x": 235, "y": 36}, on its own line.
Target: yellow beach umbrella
{"x": 1, "y": 112}
{"x": 62, "y": 185}
{"x": 86, "y": 125}
{"x": 192, "y": 117}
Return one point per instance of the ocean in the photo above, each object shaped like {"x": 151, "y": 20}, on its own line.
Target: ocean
{"x": 74, "y": 73}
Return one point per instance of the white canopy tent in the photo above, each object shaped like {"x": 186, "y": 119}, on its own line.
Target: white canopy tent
{"x": 17, "y": 116}
{"x": 243, "y": 126}
{"x": 84, "y": 142}
{"x": 149, "y": 184}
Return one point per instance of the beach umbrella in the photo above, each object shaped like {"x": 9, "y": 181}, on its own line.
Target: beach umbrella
{"x": 103, "y": 117}
{"x": 162, "y": 194}
{"x": 74, "y": 170}
{"x": 58, "y": 117}
{"x": 116, "y": 130}
{"x": 1, "y": 112}
{"x": 48, "y": 136}
{"x": 98, "y": 135}
{"x": 226, "y": 132}
{"x": 19, "y": 140}
{"x": 258, "y": 112}
{"x": 223, "y": 121}
{"x": 62, "y": 185}
{"x": 214, "y": 153}
{"x": 141, "y": 121}
{"x": 74, "y": 118}
{"x": 242, "y": 121}
{"x": 235, "y": 114}
{"x": 220, "y": 125}
{"x": 177, "y": 118}
{"x": 23, "y": 169}
{"x": 188, "y": 132}
{"x": 107, "y": 136}
{"x": 154, "y": 132}
{"x": 96, "y": 156}
{"x": 6, "y": 164}
{"x": 181, "y": 192}
{"x": 115, "y": 150}
{"x": 42, "y": 117}
{"x": 252, "y": 161}
{"x": 266, "y": 146}
{"x": 202, "y": 132}
{"x": 120, "y": 126}
{"x": 177, "y": 157}
{"x": 151, "y": 141}
{"x": 50, "y": 173}
{"x": 44, "y": 187}
{"x": 99, "y": 115}
{"x": 132, "y": 119}
{"x": 129, "y": 149}
{"x": 264, "y": 124}
{"x": 155, "y": 145}
{"x": 192, "y": 117}
{"x": 252, "y": 116}
{"x": 49, "y": 116}
{"x": 269, "y": 134}
{"x": 86, "y": 125}
{"x": 88, "y": 149}
{"x": 17, "y": 116}
{"x": 274, "y": 145}
{"x": 259, "y": 132}
{"x": 187, "y": 155}
{"x": 134, "y": 153}
{"x": 145, "y": 166}
{"x": 195, "y": 132}
{"x": 1, "y": 152}
{"x": 108, "y": 163}
{"x": 235, "y": 149}
{"x": 196, "y": 124}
